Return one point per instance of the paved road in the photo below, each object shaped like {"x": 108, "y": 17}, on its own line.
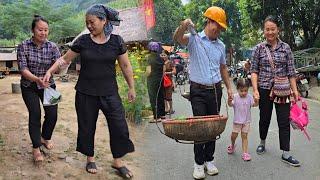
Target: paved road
{"x": 164, "y": 159}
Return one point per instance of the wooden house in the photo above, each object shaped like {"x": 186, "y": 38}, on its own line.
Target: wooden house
{"x": 8, "y": 62}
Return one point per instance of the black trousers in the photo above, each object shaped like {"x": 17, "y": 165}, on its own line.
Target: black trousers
{"x": 31, "y": 96}
{"x": 282, "y": 111}
{"x": 87, "y": 108}
{"x": 156, "y": 97}
{"x": 205, "y": 102}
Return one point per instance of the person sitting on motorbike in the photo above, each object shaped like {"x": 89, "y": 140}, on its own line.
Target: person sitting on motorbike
{"x": 179, "y": 68}
{"x": 245, "y": 69}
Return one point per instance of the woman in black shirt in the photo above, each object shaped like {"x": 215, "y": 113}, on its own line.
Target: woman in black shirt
{"x": 97, "y": 86}
{"x": 155, "y": 70}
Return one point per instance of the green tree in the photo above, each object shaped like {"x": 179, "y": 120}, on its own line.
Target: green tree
{"x": 251, "y": 32}
{"x": 298, "y": 18}
{"x": 169, "y": 13}
{"x": 308, "y": 19}
{"x": 16, "y": 18}
{"x": 123, "y": 4}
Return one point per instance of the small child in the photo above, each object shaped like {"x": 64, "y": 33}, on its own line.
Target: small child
{"x": 241, "y": 103}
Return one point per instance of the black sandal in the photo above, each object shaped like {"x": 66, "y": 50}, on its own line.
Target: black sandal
{"x": 90, "y": 166}
{"x": 123, "y": 171}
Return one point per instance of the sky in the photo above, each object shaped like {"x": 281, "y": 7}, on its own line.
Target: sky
{"x": 184, "y": 1}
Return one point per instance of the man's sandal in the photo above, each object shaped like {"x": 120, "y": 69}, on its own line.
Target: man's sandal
{"x": 91, "y": 166}
{"x": 123, "y": 171}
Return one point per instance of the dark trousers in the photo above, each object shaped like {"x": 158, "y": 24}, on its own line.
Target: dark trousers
{"x": 282, "y": 111}
{"x": 205, "y": 102}
{"x": 87, "y": 108}
{"x": 31, "y": 96}
{"x": 156, "y": 97}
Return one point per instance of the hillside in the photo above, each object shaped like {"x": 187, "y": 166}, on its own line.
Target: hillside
{"x": 84, "y": 4}
{"x": 80, "y": 5}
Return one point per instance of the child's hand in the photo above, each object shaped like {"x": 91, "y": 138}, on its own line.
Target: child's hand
{"x": 230, "y": 102}
{"x": 256, "y": 102}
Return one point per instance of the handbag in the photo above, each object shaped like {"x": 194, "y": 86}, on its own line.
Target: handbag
{"x": 167, "y": 82}
{"x": 281, "y": 85}
{"x": 299, "y": 118}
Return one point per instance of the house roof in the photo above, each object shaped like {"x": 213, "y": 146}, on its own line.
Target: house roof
{"x": 8, "y": 56}
{"x": 168, "y": 48}
{"x": 132, "y": 27}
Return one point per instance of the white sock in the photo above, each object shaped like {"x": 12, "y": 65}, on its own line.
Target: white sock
{"x": 285, "y": 154}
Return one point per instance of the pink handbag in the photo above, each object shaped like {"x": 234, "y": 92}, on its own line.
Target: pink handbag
{"x": 299, "y": 117}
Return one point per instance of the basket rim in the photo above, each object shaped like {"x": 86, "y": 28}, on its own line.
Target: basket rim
{"x": 195, "y": 120}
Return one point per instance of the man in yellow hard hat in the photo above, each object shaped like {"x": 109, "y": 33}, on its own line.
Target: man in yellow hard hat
{"x": 207, "y": 69}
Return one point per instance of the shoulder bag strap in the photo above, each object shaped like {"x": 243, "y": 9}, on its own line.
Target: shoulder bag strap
{"x": 271, "y": 61}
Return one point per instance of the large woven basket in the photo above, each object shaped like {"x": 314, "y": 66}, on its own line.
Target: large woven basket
{"x": 198, "y": 128}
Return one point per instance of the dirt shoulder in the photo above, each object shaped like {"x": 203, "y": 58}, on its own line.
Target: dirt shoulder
{"x": 63, "y": 162}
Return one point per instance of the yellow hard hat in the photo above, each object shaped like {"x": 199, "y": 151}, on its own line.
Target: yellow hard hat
{"x": 217, "y": 14}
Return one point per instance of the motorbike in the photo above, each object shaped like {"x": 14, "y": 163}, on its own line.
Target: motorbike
{"x": 302, "y": 85}
{"x": 242, "y": 74}
{"x": 182, "y": 76}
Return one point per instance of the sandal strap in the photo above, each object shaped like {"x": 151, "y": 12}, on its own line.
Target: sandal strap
{"x": 231, "y": 147}
{"x": 123, "y": 171}
{"x": 246, "y": 155}
{"x": 90, "y": 166}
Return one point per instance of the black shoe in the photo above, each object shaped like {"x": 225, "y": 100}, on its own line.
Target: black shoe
{"x": 291, "y": 161}
{"x": 261, "y": 149}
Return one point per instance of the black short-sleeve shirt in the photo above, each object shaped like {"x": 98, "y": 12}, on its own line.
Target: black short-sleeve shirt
{"x": 98, "y": 74}
{"x": 156, "y": 63}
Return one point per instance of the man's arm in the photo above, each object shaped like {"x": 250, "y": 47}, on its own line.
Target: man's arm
{"x": 225, "y": 78}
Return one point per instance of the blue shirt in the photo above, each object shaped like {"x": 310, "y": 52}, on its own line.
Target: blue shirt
{"x": 205, "y": 59}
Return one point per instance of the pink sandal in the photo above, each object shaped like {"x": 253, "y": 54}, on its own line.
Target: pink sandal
{"x": 246, "y": 157}
{"x": 231, "y": 149}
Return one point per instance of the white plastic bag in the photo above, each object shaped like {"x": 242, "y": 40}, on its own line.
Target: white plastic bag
{"x": 51, "y": 97}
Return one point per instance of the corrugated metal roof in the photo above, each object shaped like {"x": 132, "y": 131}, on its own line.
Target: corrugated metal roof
{"x": 132, "y": 27}
{"x": 8, "y": 56}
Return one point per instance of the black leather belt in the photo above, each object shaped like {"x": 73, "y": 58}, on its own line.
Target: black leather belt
{"x": 197, "y": 85}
